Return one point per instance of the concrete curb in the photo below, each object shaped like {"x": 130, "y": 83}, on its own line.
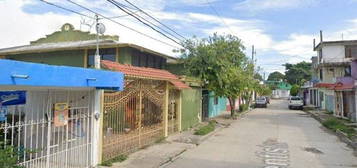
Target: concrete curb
{"x": 342, "y": 136}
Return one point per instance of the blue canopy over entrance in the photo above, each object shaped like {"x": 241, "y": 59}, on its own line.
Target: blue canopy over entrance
{"x": 42, "y": 75}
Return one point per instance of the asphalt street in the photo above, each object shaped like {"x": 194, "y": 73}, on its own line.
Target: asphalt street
{"x": 274, "y": 137}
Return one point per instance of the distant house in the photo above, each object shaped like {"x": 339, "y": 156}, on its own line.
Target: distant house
{"x": 337, "y": 69}
{"x": 281, "y": 89}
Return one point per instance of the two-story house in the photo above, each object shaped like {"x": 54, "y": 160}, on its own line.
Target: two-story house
{"x": 153, "y": 102}
{"x": 337, "y": 72}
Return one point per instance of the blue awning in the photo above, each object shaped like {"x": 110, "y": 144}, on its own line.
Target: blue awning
{"x": 41, "y": 75}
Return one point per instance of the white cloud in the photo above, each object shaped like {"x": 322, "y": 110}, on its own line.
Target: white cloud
{"x": 19, "y": 27}
{"x": 259, "y": 5}
{"x": 298, "y": 47}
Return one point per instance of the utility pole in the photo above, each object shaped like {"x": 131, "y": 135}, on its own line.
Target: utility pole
{"x": 97, "y": 56}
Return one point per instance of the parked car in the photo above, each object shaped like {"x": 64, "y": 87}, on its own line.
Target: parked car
{"x": 261, "y": 102}
{"x": 296, "y": 102}
{"x": 268, "y": 99}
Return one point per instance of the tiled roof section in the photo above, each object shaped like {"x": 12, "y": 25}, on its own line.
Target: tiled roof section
{"x": 324, "y": 85}
{"x": 142, "y": 72}
{"x": 335, "y": 86}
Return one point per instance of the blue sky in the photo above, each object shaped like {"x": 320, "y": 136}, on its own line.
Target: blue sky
{"x": 281, "y": 30}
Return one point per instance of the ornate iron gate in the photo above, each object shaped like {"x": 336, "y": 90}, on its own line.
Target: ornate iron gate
{"x": 40, "y": 140}
{"x": 173, "y": 125}
{"x": 133, "y": 118}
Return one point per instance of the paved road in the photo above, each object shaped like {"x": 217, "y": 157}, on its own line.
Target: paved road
{"x": 270, "y": 138}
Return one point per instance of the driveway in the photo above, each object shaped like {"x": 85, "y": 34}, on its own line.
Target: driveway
{"x": 270, "y": 138}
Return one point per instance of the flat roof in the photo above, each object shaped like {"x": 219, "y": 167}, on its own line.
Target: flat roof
{"x": 344, "y": 42}
{"x": 75, "y": 45}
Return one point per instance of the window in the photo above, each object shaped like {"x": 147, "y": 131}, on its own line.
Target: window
{"x": 332, "y": 71}
{"x": 105, "y": 54}
{"x": 142, "y": 59}
{"x": 350, "y": 51}
{"x": 348, "y": 71}
{"x": 216, "y": 100}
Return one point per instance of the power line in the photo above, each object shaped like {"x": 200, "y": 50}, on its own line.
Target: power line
{"x": 66, "y": 9}
{"x": 132, "y": 29}
{"x": 140, "y": 20}
{"x": 149, "y": 22}
{"x": 219, "y": 16}
{"x": 154, "y": 19}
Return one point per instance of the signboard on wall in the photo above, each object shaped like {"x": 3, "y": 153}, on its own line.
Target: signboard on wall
{"x": 60, "y": 114}
{"x": 12, "y": 97}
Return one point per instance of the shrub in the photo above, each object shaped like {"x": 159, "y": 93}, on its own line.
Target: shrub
{"x": 203, "y": 130}
{"x": 337, "y": 124}
{"x": 243, "y": 107}
{"x": 110, "y": 162}
{"x": 8, "y": 157}
{"x": 294, "y": 90}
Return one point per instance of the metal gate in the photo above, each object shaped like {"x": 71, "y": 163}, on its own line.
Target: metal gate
{"x": 40, "y": 139}
{"x": 205, "y": 104}
{"x": 173, "y": 121}
{"x": 133, "y": 118}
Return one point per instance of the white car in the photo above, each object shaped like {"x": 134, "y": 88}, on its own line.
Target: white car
{"x": 261, "y": 102}
{"x": 296, "y": 102}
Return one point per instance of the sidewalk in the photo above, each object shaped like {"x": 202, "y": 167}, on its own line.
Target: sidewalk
{"x": 162, "y": 153}
{"x": 321, "y": 116}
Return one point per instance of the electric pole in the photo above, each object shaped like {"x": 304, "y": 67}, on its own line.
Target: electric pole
{"x": 97, "y": 56}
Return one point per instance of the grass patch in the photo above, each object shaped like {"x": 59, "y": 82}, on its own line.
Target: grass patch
{"x": 110, "y": 162}
{"x": 243, "y": 107}
{"x": 203, "y": 130}
{"x": 338, "y": 124}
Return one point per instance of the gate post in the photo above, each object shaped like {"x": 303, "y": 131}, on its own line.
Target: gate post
{"x": 179, "y": 110}
{"x": 166, "y": 109}
{"x": 96, "y": 141}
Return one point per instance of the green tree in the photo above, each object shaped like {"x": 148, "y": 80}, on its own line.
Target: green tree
{"x": 258, "y": 77}
{"x": 297, "y": 73}
{"x": 276, "y": 76}
{"x": 294, "y": 91}
{"x": 220, "y": 63}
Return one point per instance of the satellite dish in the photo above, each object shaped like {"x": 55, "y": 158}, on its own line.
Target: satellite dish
{"x": 100, "y": 28}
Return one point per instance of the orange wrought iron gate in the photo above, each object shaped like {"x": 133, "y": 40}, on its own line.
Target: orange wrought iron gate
{"x": 134, "y": 117}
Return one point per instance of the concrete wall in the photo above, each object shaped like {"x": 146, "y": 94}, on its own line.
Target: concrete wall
{"x": 216, "y": 109}
{"x": 354, "y": 69}
{"x": 333, "y": 53}
{"x": 330, "y": 74}
{"x": 191, "y": 107}
{"x": 69, "y": 58}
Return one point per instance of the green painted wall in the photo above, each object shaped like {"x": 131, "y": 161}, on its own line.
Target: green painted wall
{"x": 177, "y": 69}
{"x": 69, "y": 58}
{"x": 216, "y": 109}
{"x": 125, "y": 55}
{"x": 191, "y": 107}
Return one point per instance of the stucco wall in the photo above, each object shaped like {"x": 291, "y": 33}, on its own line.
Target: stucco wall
{"x": 69, "y": 58}
{"x": 191, "y": 107}
{"x": 329, "y": 75}
{"x": 333, "y": 53}
{"x": 216, "y": 109}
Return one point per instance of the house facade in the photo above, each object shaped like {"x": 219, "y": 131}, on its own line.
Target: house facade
{"x": 50, "y": 113}
{"x": 149, "y": 108}
{"x": 337, "y": 72}
{"x": 280, "y": 89}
